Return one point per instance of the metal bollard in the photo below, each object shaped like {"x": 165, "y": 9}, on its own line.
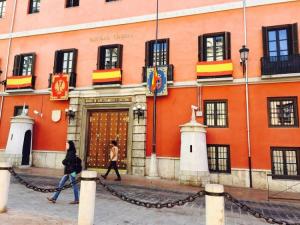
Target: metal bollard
{"x": 4, "y": 185}
{"x": 87, "y": 198}
{"x": 214, "y": 203}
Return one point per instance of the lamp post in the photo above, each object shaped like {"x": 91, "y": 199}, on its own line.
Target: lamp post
{"x": 244, "y": 54}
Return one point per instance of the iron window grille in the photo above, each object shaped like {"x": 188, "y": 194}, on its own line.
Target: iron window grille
{"x": 65, "y": 61}
{"x": 214, "y": 47}
{"x": 282, "y": 111}
{"x": 216, "y": 113}
{"x": 110, "y": 57}
{"x": 18, "y": 109}
{"x": 24, "y": 64}
{"x": 157, "y": 54}
{"x": 72, "y": 3}
{"x": 219, "y": 158}
{"x": 285, "y": 162}
{"x": 34, "y": 6}
{"x": 2, "y": 8}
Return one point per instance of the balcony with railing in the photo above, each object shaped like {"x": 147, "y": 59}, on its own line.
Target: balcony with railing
{"x": 273, "y": 65}
{"x": 168, "y": 70}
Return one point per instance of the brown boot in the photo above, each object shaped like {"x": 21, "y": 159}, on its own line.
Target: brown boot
{"x": 51, "y": 200}
{"x": 74, "y": 202}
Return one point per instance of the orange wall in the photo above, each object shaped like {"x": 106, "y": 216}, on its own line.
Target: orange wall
{"x": 263, "y": 137}
{"x": 53, "y": 12}
{"x": 47, "y": 135}
{"x": 183, "y": 33}
{"x": 174, "y": 110}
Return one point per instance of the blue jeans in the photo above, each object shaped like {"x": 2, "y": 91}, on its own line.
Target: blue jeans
{"x": 62, "y": 182}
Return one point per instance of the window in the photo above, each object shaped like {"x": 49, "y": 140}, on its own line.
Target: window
{"x": 280, "y": 41}
{"x": 110, "y": 0}
{"x": 72, "y": 3}
{"x": 2, "y": 8}
{"x": 285, "y": 161}
{"x": 24, "y": 65}
{"x": 283, "y": 112}
{"x": 34, "y": 6}
{"x": 214, "y": 47}
{"x": 19, "y": 109}
{"x": 218, "y": 158}
{"x": 65, "y": 61}
{"x": 216, "y": 113}
{"x": 110, "y": 57}
{"x": 157, "y": 54}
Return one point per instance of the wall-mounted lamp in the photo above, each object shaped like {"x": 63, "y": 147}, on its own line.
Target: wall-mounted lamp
{"x": 139, "y": 112}
{"x": 70, "y": 113}
{"x": 244, "y": 53}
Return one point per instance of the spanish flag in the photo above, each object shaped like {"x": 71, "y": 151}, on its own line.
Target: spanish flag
{"x": 107, "y": 76}
{"x": 155, "y": 78}
{"x": 214, "y": 69}
{"x": 16, "y": 82}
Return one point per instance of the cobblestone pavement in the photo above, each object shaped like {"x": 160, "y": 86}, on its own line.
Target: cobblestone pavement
{"x": 111, "y": 210}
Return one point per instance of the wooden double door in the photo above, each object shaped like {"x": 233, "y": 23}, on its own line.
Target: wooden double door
{"x": 103, "y": 127}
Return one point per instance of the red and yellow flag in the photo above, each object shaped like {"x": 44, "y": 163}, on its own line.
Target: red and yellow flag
{"x": 155, "y": 78}
{"x": 16, "y": 82}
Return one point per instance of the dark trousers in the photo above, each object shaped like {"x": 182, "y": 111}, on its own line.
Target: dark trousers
{"x": 113, "y": 164}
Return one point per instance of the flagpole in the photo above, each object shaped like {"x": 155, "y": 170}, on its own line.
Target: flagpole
{"x": 153, "y": 171}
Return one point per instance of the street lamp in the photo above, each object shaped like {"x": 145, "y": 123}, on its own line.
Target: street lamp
{"x": 244, "y": 53}
{"x": 139, "y": 111}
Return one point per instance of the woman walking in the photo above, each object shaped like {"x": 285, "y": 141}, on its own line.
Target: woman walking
{"x": 69, "y": 173}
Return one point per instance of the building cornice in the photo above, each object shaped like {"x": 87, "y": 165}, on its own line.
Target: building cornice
{"x": 144, "y": 18}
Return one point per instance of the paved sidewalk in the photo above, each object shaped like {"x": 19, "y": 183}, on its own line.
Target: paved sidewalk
{"x": 163, "y": 184}
{"x": 33, "y": 208}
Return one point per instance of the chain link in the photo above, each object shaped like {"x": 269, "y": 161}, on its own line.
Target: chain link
{"x": 39, "y": 189}
{"x": 255, "y": 213}
{"x": 158, "y": 205}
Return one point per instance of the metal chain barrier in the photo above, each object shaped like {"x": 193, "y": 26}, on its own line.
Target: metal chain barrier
{"x": 39, "y": 189}
{"x": 255, "y": 213}
{"x": 158, "y": 205}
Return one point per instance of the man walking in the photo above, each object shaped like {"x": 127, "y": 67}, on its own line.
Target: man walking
{"x": 113, "y": 154}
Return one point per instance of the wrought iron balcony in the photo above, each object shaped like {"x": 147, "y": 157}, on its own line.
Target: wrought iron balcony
{"x": 72, "y": 80}
{"x": 170, "y": 72}
{"x": 280, "y": 64}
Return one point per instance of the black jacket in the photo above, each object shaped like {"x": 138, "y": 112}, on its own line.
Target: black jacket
{"x": 70, "y": 162}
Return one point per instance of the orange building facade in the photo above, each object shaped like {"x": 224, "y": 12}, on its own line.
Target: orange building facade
{"x": 107, "y": 51}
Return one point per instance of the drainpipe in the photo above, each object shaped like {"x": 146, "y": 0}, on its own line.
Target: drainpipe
{"x": 7, "y": 58}
{"x": 247, "y": 99}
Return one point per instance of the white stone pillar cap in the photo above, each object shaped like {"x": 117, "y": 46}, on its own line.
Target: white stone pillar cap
{"x": 88, "y": 174}
{"x": 214, "y": 188}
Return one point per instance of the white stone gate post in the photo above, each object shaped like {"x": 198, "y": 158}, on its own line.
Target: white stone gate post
{"x": 4, "y": 186}
{"x": 87, "y": 198}
{"x": 214, "y": 203}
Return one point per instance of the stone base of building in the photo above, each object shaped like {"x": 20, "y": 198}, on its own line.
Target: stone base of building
{"x": 169, "y": 168}
{"x": 194, "y": 178}
{"x": 14, "y": 159}
{"x": 48, "y": 159}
